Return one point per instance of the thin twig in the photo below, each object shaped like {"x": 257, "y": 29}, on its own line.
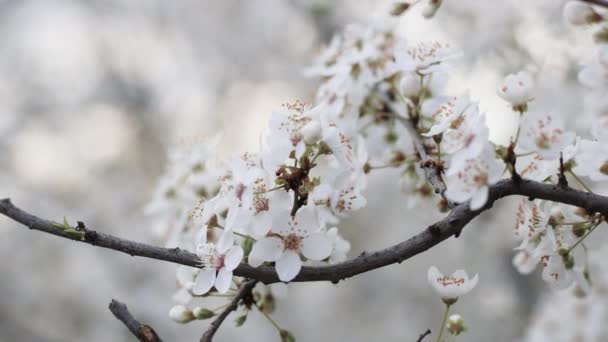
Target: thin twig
{"x": 452, "y": 224}
{"x": 244, "y": 291}
{"x": 143, "y": 332}
{"x": 423, "y": 335}
{"x": 430, "y": 167}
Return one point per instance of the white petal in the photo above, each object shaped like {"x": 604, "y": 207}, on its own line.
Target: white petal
{"x": 316, "y": 247}
{"x": 480, "y": 198}
{"x": 225, "y": 241}
{"x": 224, "y": 278}
{"x": 288, "y": 265}
{"x": 261, "y": 223}
{"x": 204, "y": 281}
{"x": 306, "y": 219}
{"x": 266, "y": 249}
{"x": 233, "y": 257}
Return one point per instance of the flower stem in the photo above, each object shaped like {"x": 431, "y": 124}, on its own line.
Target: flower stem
{"x": 269, "y": 318}
{"x": 591, "y": 229}
{"x": 445, "y": 319}
{"x": 580, "y": 181}
{"x": 237, "y": 233}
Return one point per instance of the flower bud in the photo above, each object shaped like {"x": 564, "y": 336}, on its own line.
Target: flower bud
{"x": 287, "y": 336}
{"x": 399, "y": 8}
{"x": 409, "y": 85}
{"x": 517, "y": 89}
{"x": 579, "y": 229}
{"x": 181, "y": 314}
{"x": 431, "y": 8}
{"x": 202, "y": 313}
{"x": 455, "y": 325}
{"x": 557, "y": 217}
{"x": 312, "y": 132}
{"x": 578, "y": 13}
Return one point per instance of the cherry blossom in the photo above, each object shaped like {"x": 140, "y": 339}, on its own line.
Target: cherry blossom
{"x": 425, "y": 57}
{"x": 450, "y": 288}
{"x": 517, "y": 89}
{"x": 218, "y": 264}
{"x": 471, "y": 181}
{"x": 544, "y": 136}
{"x": 288, "y": 238}
{"x": 592, "y": 160}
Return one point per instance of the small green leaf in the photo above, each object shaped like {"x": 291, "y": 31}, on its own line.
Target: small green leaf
{"x": 287, "y": 336}
{"x": 241, "y": 320}
{"x": 202, "y": 313}
{"x": 74, "y": 233}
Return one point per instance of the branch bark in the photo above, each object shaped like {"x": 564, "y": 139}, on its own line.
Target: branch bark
{"x": 245, "y": 289}
{"x": 143, "y": 332}
{"x": 423, "y": 335}
{"x": 452, "y": 224}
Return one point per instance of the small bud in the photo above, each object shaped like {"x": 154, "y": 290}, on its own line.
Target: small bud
{"x": 367, "y": 168}
{"x": 579, "y": 229}
{"x": 391, "y": 137}
{"x": 202, "y": 313}
{"x": 578, "y": 13}
{"x": 240, "y": 320}
{"x": 409, "y": 85}
{"x": 455, "y": 325}
{"x": 312, "y": 132}
{"x": 443, "y": 205}
{"x": 399, "y": 8}
{"x": 181, "y": 314}
{"x": 601, "y": 36}
{"x": 431, "y": 9}
{"x": 557, "y": 217}
{"x": 324, "y": 148}
{"x": 563, "y": 251}
{"x": 568, "y": 261}
{"x": 287, "y": 336}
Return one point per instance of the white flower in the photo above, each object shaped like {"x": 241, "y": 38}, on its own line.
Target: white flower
{"x": 579, "y": 13}
{"x": 409, "y": 85}
{"x": 544, "y": 136}
{"x": 530, "y": 220}
{"x": 517, "y": 88}
{"x": 424, "y": 58}
{"x": 338, "y": 194}
{"x": 289, "y": 237}
{"x": 450, "y": 113}
{"x": 595, "y": 74}
{"x": 451, "y": 287}
{"x": 592, "y": 161}
{"x": 471, "y": 181}
{"x": 312, "y": 132}
{"x": 218, "y": 264}
{"x": 181, "y": 314}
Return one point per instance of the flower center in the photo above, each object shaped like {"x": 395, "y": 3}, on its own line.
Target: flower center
{"x": 450, "y": 281}
{"x": 292, "y": 242}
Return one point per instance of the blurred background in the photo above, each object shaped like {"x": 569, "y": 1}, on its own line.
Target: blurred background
{"x": 92, "y": 93}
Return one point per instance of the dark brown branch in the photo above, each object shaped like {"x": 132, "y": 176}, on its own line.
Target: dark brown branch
{"x": 601, "y": 3}
{"x": 245, "y": 290}
{"x": 423, "y": 335}
{"x": 452, "y": 224}
{"x": 143, "y": 332}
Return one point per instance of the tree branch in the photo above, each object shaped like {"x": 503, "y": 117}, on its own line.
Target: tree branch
{"x": 245, "y": 290}
{"x": 602, "y": 3}
{"x": 143, "y": 332}
{"x": 423, "y": 335}
{"x": 452, "y": 224}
